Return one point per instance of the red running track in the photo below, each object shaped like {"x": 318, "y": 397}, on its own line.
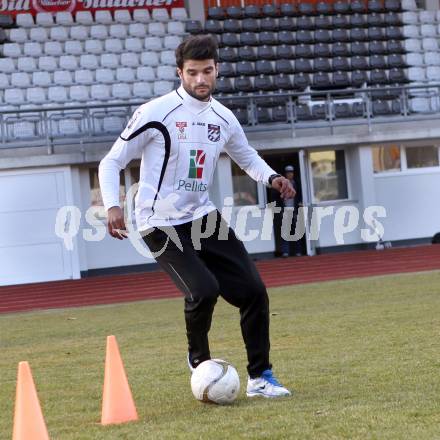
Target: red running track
{"x": 278, "y": 272}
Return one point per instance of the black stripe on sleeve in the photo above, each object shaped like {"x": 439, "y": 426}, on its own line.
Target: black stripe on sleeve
{"x": 220, "y": 116}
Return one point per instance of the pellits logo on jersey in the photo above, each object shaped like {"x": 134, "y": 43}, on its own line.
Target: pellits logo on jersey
{"x": 213, "y": 132}
{"x": 196, "y": 163}
{"x": 181, "y": 129}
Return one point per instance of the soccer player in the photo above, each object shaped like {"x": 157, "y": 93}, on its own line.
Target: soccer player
{"x": 179, "y": 137}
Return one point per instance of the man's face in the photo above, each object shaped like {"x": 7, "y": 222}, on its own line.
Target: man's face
{"x": 198, "y": 78}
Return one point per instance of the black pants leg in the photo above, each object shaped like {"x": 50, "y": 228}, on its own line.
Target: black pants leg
{"x": 219, "y": 267}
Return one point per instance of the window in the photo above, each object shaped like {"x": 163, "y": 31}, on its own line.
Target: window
{"x": 329, "y": 175}
{"x": 245, "y": 189}
{"x": 420, "y": 157}
{"x": 95, "y": 192}
{"x": 386, "y": 158}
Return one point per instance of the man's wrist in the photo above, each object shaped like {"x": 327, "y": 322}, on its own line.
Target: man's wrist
{"x": 272, "y": 177}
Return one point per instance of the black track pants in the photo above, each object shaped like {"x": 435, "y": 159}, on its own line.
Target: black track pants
{"x": 212, "y": 267}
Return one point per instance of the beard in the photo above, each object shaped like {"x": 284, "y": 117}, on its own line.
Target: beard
{"x": 204, "y": 96}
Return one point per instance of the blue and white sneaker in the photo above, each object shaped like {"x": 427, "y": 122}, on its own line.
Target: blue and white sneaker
{"x": 266, "y": 386}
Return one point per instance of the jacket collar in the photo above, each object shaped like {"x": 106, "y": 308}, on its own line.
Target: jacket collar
{"x": 194, "y": 105}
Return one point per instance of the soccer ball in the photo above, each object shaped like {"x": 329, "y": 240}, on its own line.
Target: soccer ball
{"x": 215, "y": 381}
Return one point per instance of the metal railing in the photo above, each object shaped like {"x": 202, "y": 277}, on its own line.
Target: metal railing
{"x": 76, "y": 125}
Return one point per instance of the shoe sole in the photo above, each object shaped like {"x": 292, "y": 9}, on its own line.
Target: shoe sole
{"x": 267, "y": 396}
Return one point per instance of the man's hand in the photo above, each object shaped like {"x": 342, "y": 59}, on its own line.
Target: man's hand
{"x": 284, "y": 186}
{"x": 115, "y": 223}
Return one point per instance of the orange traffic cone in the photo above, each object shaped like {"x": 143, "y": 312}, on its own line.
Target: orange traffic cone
{"x": 117, "y": 402}
{"x": 28, "y": 419}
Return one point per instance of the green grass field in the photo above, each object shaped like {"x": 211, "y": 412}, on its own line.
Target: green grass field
{"x": 362, "y": 356}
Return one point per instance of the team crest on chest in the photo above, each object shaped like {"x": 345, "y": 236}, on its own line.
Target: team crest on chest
{"x": 181, "y": 134}
{"x": 213, "y": 132}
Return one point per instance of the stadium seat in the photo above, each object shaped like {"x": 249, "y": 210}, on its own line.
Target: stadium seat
{"x": 396, "y": 60}
{"x": 230, "y": 25}
{"x": 156, "y": 29}
{"x": 393, "y": 5}
{"x": 359, "y": 48}
{"x": 323, "y": 22}
{"x": 357, "y": 6}
{"x": 149, "y": 59}
{"x": 304, "y": 23}
{"x": 141, "y": 16}
{"x": 374, "y": 20}
{"x": 303, "y": 65}
{"x": 417, "y": 74}
{"x": 162, "y": 87}
{"x": 135, "y": 44}
{"x": 359, "y": 34}
{"x": 279, "y": 114}
{"x": 79, "y": 93}
{"x": 179, "y": 14}
{"x": 53, "y": 48}
{"x": 18, "y": 35}
{"x": 284, "y": 52}
{"x": 397, "y": 76}
{"x": 322, "y": 65}
{"x": 14, "y": 96}
{"x": 57, "y": 33}
{"x": 266, "y": 52}
{"x": 167, "y": 73}
{"x": 341, "y": 79}
{"x": 358, "y": 20}
{"x": 340, "y": 50}
{"x": 12, "y": 50}
{"x": 62, "y": 78}
{"x": 284, "y": 66}
{"x": 414, "y": 59}
{"x": 243, "y": 84}
{"x": 103, "y": 17}
{"x": 44, "y": 19}
{"x": 340, "y": 21}
{"x": 286, "y": 24}
{"x": 117, "y": 30}
{"x": 287, "y": 9}
{"x": 306, "y": 8}
{"x": 395, "y": 46}
{"x": 321, "y": 50}
{"x": 127, "y": 74}
{"x": 168, "y": 57}
{"x": 242, "y": 115}
{"x": 269, "y": 38}
{"x": 359, "y": 78}
{"x": 39, "y": 34}
{"x": 410, "y": 18}
{"x": 409, "y": 5}
{"x": 264, "y": 83}
{"x": 378, "y": 62}
{"x": 392, "y": 19}
{"x": 57, "y": 94}
{"x": 245, "y": 68}
{"x": 433, "y": 73}
{"x": 304, "y": 37}
{"x": 420, "y": 105}
{"x": 98, "y": 32}
{"x": 321, "y": 80}
{"x": 84, "y": 77}
{"x": 413, "y": 45}
{"x": 340, "y": 35}
{"x": 41, "y": 79}
{"x": 129, "y": 59}
{"x": 72, "y": 47}
{"x": 286, "y": 37}
{"x": 32, "y": 49}
{"x": 100, "y": 92}
{"x": 142, "y": 90}
{"x": 68, "y": 62}
{"x": 377, "y": 48}
{"x": 301, "y": 81}
{"x": 122, "y": 16}
{"x": 342, "y": 110}
{"x": 229, "y": 39}
{"x": 428, "y": 30}
{"x": 176, "y": 28}
{"x": 84, "y": 17}
{"x": 160, "y": 14}
{"x": 47, "y": 63}
{"x": 113, "y": 45}
{"x": 24, "y": 64}
{"x": 409, "y": 31}
{"x": 153, "y": 43}
{"x": 381, "y": 108}
{"x": 24, "y": 20}
{"x": 95, "y": 47}
{"x": 20, "y": 80}
{"x": 340, "y": 63}
{"x": 432, "y": 58}
{"x": 193, "y": 27}
{"x": 250, "y": 25}
{"x": 248, "y": 39}
{"x": 427, "y": 17}
{"x": 302, "y": 112}
{"x": 225, "y": 70}
{"x": 79, "y": 33}
{"x": 283, "y": 82}
{"x": 359, "y": 63}
{"x": 145, "y": 73}
{"x": 323, "y": 8}
{"x": 323, "y": 36}
{"x": 4, "y": 81}
{"x": 224, "y": 85}
{"x": 375, "y": 33}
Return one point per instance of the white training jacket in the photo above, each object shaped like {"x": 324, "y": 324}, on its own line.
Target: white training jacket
{"x": 179, "y": 139}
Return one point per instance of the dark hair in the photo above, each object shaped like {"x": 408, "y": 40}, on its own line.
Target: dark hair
{"x": 197, "y": 47}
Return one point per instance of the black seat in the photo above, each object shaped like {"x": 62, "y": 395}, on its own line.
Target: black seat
{"x": 193, "y": 27}
{"x": 359, "y": 78}
{"x": 248, "y": 39}
{"x": 304, "y": 23}
{"x": 306, "y": 9}
{"x": 231, "y": 25}
{"x": 250, "y": 25}
{"x": 287, "y": 9}
{"x": 395, "y": 46}
{"x": 359, "y": 48}
{"x": 377, "y": 47}
{"x": 3, "y": 36}
{"x": 264, "y": 67}
{"x": 245, "y": 68}
{"x": 322, "y": 36}
{"x": 224, "y": 85}
{"x": 376, "y": 33}
{"x": 359, "y": 34}
{"x": 279, "y": 114}
{"x": 228, "y": 54}
{"x": 340, "y": 63}
{"x": 304, "y": 37}
{"x": 269, "y": 10}
{"x": 252, "y": 11}
{"x": 319, "y": 111}
{"x": 268, "y": 38}
{"x": 286, "y": 37}
{"x": 393, "y": 5}
{"x": 282, "y": 82}
{"x": 263, "y": 115}
{"x": 357, "y": 6}
{"x": 375, "y": 6}
{"x": 234, "y": 12}
{"x": 247, "y": 53}
{"x": 263, "y": 82}
{"x": 243, "y": 84}
{"x": 396, "y": 107}
{"x": 341, "y": 7}
{"x": 393, "y": 33}
{"x": 303, "y": 65}
{"x": 302, "y": 112}
{"x": 323, "y": 8}
{"x": 340, "y": 35}
{"x": 397, "y": 76}
{"x": 321, "y": 80}
{"x": 213, "y": 27}
{"x": 321, "y": 50}
{"x": 266, "y": 53}
{"x": 340, "y": 21}
{"x": 341, "y": 79}
{"x": 268, "y": 24}
{"x": 229, "y": 39}
{"x": 381, "y": 108}
{"x": 303, "y": 51}
{"x": 242, "y": 115}
{"x": 342, "y": 110}
{"x": 374, "y": 19}
{"x": 359, "y": 63}
{"x": 286, "y": 24}
{"x": 340, "y": 50}
{"x": 358, "y": 109}
{"x": 216, "y": 13}
{"x": 378, "y": 62}
{"x": 396, "y": 60}
{"x": 284, "y": 66}
{"x": 226, "y": 69}
{"x": 392, "y": 19}
{"x": 358, "y": 20}
{"x": 285, "y": 51}
{"x": 378, "y": 77}
{"x": 323, "y": 22}
{"x": 301, "y": 81}
{"x": 322, "y": 65}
